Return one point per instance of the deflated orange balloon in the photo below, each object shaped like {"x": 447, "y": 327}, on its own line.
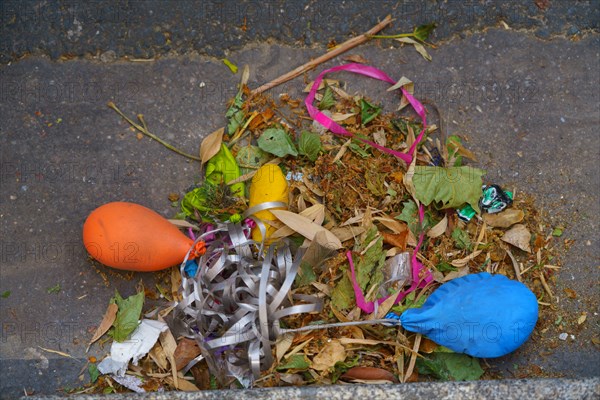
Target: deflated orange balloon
{"x": 134, "y": 238}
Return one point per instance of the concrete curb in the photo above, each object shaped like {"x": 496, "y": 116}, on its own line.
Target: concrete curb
{"x": 579, "y": 389}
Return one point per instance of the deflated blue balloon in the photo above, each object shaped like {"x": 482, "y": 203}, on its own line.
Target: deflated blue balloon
{"x": 481, "y": 315}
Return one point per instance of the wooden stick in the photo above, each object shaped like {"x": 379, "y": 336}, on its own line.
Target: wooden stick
{"x": 347, "y": 45}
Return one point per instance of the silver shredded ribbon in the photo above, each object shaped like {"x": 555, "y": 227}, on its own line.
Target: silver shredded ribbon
{"x": 233, "y": 305}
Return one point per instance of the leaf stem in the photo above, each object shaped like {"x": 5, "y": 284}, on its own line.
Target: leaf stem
{"x": 400, "y": 35}
{"x": 143, "y": 129}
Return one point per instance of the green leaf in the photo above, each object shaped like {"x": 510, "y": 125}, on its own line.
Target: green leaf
{"x": 341, "y": 367}
{"x": 213, "y": 382}
{"x": 370, "y": 264}
{"x": 409, "y": 302}
{"x": 194, "y": 200}
{"x": 305, "y": 276}
{"x": 453, "y": 187}
{"x": 410, "y": 215}
{"x": 309, "y": 145}
{"x": 108, "y": 389}
{"x": 558, "y": 231}
{"x": 232, "y": 67}
{"x": 450, "y": 366}
{"x": 296, "y": 361}
{"x": 422, "y": 32}
{"x": 250, "y": 158}
{"x": 375, "y": 181}
{"x": 128, "y": 316}
{"x": 277, "y": 141}
{"x": 432, "y": 366}
{"x": 223, "y": 168}
{"x": 328, "y": 100}
{"x": 94, "y": 373}
{"x": 445, "y": 267}
{"x": 461, "y": 239}
{"x": 235, "y": 115}
{"x": 342, "y": 296}
{"x": 5, "y": 294}
{"x": 453, "y": 143}
{"x": 235, "y": 121}
{"x": 368, "y": 112}
{"x": 54, "y": 289}
{"x": 358, "y": 150}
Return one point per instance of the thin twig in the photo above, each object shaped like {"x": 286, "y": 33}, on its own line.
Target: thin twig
{"x": 545, "y": 285}
{"x": 145, "y": 131}
{"x": 515, "y": 265}
{"x": 347, "y": 45}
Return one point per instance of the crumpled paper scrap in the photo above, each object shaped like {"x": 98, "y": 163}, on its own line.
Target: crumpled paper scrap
{"x": 137, "y": 346}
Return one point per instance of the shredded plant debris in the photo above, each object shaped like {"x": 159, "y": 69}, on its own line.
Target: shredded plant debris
{"x": 368, "y": 200}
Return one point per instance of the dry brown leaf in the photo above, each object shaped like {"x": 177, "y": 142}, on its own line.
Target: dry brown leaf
{"x": 369, "y": 374}
{"x": 182, "y": 384}
{"x": 439, "y": 228}
{"x": 169, "y": 345}
{"x": 347, "y": 232}
{"x": 408, "y": 180}
{"x": 413, "y": 357}
{"x": 384, "y": 307}
{"x": 504, "y": 219}
{"x": 315, "y": 213}
{"x": 107, "y": 321}
{"x": 518, "y": 236}
{"x": 316, "y": 254}
{"x": 418, "y": 46}
{"x": 357, "y": 58}
{"x": 328, "y": 82}
{"x": 428, "y": 346}
{"x": 395, "y": 239}
{"x": 211, "y": 145}
{"x": 379, "y": 137}
{"x": 339, "y": 117}
{"x": 311, "y": 186}
{"x": 157, "y": 354}
{"x": 283, "y": 344}
{"x": 342, "y": 151}
{"x": 298, "y": 348}
{"x": 261, "y": 119}
{"x": 456, "y": 274}
{"x": 187, "y": 349}
{"x": 463, "y": 261}
{"x": 332, "y": 353}
{"x": 340, "y": 92}
{"x": 307, "y": 228}
{"x": 175, "y": 283}
{"x": 180, "y": 223}
{"x": 322, "y": 287}
{"x": 201, "y": 375}
{"x": 392, "y": 224}
{"x": 292, "y": 379}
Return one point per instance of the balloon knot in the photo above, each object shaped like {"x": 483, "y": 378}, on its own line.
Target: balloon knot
{"x": 199, "y": 249}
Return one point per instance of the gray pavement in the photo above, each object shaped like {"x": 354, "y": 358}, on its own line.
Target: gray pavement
{"x": 529, "y": 106}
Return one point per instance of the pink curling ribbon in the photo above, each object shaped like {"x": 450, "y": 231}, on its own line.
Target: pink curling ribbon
{"x": 371, "y": 72}
{"x": 417, "y": 281}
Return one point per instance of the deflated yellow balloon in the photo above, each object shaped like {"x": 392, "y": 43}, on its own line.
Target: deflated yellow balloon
{"x": 268, "y": 184}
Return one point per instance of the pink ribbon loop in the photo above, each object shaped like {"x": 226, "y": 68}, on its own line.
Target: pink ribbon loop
{"x": 371, "y": 72}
